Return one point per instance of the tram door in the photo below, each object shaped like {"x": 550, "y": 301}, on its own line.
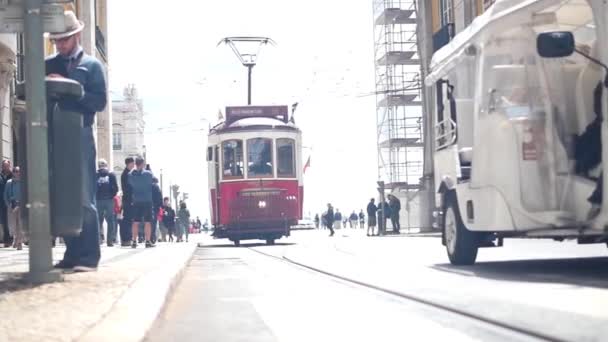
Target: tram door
{"x": 217, "y": 185}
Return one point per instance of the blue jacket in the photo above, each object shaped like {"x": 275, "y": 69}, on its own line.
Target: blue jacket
{"x": 141, "y": 186}
{"x": 12, "y": 193}
{"x": 90, "y": 74}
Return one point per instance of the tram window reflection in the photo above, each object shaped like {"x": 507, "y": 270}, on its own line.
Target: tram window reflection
{"x": 285, "y": 158}
{"x": 259, "y": 157}
{"x": 232, "y": 159}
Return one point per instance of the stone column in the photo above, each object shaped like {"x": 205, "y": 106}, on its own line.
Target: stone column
{"x": 8, "y": 45}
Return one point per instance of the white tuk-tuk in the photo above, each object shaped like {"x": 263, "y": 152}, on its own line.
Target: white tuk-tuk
{"x": 518, "y": 132}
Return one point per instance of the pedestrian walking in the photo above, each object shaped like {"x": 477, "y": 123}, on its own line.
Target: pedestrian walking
{"x": 5, "y": 175}
{"x": 324, "y": 220}
{"x": 12, "y": 200}
{"x": 107, "y": 188}
{"x": 371, "y": 216}
{"x": 329, "y": 218}
{"x": 168, "y": 221}
{"x": 362, "y": 219}
{"x": 338, "y": 219}
{"x": 157, "y": 201}
{"x": 82, "y": 252}
{"x": 127, "y": 203}
{"x": 317, "y": 220}
{"x": 140, "y": 181}
{"x": 183, "y": 222}
{"x": 395, "y": 207}
{"x": 353, "y": 220}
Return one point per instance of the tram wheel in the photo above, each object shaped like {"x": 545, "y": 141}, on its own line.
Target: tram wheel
{"x": 461, "y": 244}
{"x": 270, "y": 241}
{"x": 237, "y": 243}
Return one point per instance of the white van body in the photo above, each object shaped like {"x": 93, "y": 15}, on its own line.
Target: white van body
{"x": 506, "y": 122}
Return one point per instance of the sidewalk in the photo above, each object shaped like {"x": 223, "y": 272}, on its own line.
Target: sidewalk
{"x": 119, "y": 302}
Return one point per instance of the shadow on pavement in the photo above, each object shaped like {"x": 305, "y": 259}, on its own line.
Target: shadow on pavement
{"x": 591, "y": 272}
{"x": 11, "y": 282}
{"x": 246, "y": 245}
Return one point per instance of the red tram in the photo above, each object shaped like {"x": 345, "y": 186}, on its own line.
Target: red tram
{"x": 255, "y": 174}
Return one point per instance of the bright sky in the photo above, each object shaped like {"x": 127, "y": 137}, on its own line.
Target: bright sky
{"x": 323, "y": 60}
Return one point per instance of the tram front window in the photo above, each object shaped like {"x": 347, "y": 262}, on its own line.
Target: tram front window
{"x": 232, "y": 159}
{"x": 259, "y": 157}
{"x": 285, "y": 156}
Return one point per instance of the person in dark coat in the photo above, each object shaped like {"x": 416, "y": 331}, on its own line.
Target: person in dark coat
{"x": 371, "y": 216}
{"x": 82, "y": 252}
{"x": 330, "y": 218}
{"x": 157, "y": 197}
{"x": 383, "y": 214}
{"x": 588, "y": 151}
{"x": 107, "y": 188}
{"x": 5, "y": 176}
{"x": 395, "y": 205}
{"x": 127, "y": 203}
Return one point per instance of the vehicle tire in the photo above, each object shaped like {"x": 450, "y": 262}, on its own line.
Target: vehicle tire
{"x": 460, "y": 243}
{"x": 270, "y": 242}
{"x": 237, "y": 243}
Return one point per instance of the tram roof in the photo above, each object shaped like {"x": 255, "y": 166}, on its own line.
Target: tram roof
{"x": 501, "y": 16}
{"x": 253, "y": 124}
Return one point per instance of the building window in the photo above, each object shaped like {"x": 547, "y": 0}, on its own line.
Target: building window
{"x": 259, "y": 158}
{"x": 232, "y": 160}
{"x": 117, "y": 140}
{"x": 487, "y": 3}
{"x": 285, "y": 158}
{"x": 447, "y": 12}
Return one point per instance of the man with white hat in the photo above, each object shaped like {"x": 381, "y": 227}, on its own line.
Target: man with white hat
{"x": 82, "y": 252}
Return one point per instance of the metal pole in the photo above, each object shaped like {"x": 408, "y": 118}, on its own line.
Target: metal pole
{"x": 250, "y": 68}
{"x": 36, "y": 150}
{"x": 161, "y": 181}
{"x": 425, "y": 50}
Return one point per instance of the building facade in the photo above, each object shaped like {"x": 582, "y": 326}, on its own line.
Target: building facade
{"x": 127, "y": 127}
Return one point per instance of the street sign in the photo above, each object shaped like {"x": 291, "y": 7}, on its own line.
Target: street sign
{"x": 12, "y": 18}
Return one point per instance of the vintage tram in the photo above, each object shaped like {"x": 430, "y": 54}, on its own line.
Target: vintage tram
{"x": 255, "y": 174}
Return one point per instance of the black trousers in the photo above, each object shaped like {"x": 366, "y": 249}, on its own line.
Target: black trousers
{"x": 4, "y": 221}
{"x": 330, "y": 226}
{"x": 125, "y": 223}
{"x": 395, "y": 222}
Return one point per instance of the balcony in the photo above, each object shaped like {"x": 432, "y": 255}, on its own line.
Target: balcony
{"x": 100, "y": 43}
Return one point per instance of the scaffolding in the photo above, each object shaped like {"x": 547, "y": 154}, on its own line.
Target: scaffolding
{"x": 398, "y": 95}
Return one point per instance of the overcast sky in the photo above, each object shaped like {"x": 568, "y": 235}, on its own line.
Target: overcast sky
{"x": 323, "y": 60}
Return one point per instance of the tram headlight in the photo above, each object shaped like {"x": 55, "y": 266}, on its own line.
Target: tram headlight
{"x": 262, "y": 204}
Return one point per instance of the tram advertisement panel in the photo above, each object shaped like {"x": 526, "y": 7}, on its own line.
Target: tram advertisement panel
{"x": 276, "y": 112}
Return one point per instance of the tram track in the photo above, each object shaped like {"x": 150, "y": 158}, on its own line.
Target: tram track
{"x": 524, "y": 332}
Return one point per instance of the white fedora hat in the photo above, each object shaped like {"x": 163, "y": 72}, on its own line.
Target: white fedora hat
{"x": 72, "y": 26}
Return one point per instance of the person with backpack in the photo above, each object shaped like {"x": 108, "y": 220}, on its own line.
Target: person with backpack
{"x": 107, "y": 188}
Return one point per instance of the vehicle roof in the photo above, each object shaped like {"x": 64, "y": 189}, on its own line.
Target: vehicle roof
{"x": 502, "y": 15}
{"x": 252, "y": 124}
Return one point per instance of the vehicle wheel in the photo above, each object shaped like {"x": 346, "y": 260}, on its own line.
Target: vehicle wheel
{"x": 270, "y": 242}
{"x": 461, "y": 244}
{"x": 237, "y": 243}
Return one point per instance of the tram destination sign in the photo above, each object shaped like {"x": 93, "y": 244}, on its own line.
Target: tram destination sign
{"x": 236, "y": 113}
{"x": 12, "y": 17}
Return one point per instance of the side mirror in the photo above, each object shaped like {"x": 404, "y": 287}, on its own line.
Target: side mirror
{"x": 555, "y": 44}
